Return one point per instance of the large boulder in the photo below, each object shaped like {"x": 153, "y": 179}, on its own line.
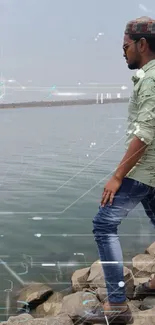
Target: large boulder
{"x": 138, "y": 281}
{"x": 79, "y": 304}
{"x": 148, "y": 303}
{"x": 134, "y": 307}
{"x": 61, "y": 319}
{"x": 129, "y": 282}
{"x": 101, "y": 294}
{"x": 96, "y": 279}
{"x": 79, "y": 279}
{"x": 143, "y": 265}
{"x": 26, "y": 319}
{"x": 51, "y": 307}
{"x": 32, "y": 295}
{"x": 151, "y": 250}
{"x": 145, "y": 317}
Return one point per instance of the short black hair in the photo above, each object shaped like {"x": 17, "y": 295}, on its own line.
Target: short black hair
{"x": 149, "y": 39}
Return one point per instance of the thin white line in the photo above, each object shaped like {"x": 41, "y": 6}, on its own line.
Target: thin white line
{"x": 89, "y": 235}
{"x": 44, "y": 264}
{"x": 108, "y": 262}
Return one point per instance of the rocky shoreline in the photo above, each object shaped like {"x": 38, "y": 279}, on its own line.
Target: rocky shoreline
{"x": 62, "y": 103}
{"x": 38, "y": 304}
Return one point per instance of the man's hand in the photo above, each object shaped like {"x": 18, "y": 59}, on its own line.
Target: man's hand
{"x": 110, "y": 190}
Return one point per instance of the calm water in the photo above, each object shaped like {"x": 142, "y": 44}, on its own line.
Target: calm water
{"x": 53, "y": 166}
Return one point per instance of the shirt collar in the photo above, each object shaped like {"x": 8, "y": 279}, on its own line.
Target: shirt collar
{"x": 145, "y": 68}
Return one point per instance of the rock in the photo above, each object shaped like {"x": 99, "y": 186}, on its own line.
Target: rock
{"x": 101, "y": 294}
{"x": 152, "y": 276}
{"x": 79, "y": 279}
{"x": 148, "y": 303}
{"x": 129, "y": 282}
{"x": 67, "y": 291}
{"x": 134, "y": 307}
{"x": 143, "y": 265}
{"x": 96, "y": 279}
{"x": 145, "y": 318}
{"x": 78, "y": 304}
{"x": 32, "y": 295}
{"x": 138, "y": 281}
{"x": 141, "y": 319}
{"x": 26, "y": 319}
{"x": 95, "y": 269}
{"x": 136, "y": 303}
{"x": 51, "y": 307}
{"x": 151, "y": 250}
{"x": 61, "y": 319}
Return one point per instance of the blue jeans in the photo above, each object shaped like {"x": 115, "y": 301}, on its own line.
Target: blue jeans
{"x": 105, "y": 225}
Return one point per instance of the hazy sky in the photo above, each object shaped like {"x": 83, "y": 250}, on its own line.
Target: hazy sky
{"x": 53, "y": 42}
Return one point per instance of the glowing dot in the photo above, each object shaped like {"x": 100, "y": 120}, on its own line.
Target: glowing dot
{"x": 87, "y": 155}
{"x": 121, "y": 284}
{"x": 38, "y": 235}
{"x": 37, "y": 218}
{"x": 142, "y": 139}
{"x": 124, "y": 87}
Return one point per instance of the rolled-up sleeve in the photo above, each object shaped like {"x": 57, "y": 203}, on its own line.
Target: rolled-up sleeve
{"x": 145, "y": 125}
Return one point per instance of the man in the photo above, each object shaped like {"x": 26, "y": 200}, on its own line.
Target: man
{"x": 134, "y": 179}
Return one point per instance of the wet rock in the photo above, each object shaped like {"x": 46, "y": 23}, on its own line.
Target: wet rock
{"x": 145, "y": 318}
{"x": 134, "y": 307}
{"x": 32, "y": 295}
{"x": 78, "y": 304}
{"x": 129, "y": 282}
{"x": 138, "y": 281}
{"x": 79, "y": 279}
{"x": 151, "y": 250}
{"x": 143, "y": 265}
{"x": 101, "y": 294}
{"x": 26, "y": 319}
{"x": 136, "y": 303}
{"x": 51, "y": 307}
{"x": 148, "y": 303}
{"x": 61, "y": 319}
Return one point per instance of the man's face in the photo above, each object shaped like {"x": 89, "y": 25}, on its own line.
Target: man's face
{"x": 131, "y": 53}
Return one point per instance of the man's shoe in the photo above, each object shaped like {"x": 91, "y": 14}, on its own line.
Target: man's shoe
{"x": 98, "y": 317}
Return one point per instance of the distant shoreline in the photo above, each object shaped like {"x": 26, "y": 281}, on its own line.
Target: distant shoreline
{"x": 63, "y": 103}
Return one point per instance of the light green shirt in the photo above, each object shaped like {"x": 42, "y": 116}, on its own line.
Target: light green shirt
{"x": 141, "y": 122}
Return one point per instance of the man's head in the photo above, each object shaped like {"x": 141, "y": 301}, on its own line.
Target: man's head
{"x": 139, "y": 42}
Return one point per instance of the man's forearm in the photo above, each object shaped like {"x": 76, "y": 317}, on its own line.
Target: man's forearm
{"x": 134, "y": 153}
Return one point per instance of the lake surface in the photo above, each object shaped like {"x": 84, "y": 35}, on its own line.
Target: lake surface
{"x": 54, "y": 163}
